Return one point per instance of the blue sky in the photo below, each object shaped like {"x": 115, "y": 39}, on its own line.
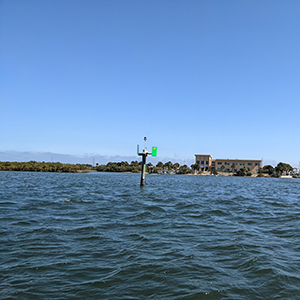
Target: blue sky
{"x": 95, "y": 77}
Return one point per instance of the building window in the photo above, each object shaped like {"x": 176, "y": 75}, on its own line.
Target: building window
{"x": 213, "y": 163}
{"x": 219, "y": 162}
{"x": 249, "y": 164}
{"x": 242, "y": 164}
{"x": 202, "y": 162}
{"x": 257, "y": 164}
{"x": 227, "y": 163}
{"x": 198, "y": 162}
{"x": 207, "y": 162}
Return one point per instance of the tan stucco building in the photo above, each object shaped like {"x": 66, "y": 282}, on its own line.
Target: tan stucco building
{"x": 207, "y": 163}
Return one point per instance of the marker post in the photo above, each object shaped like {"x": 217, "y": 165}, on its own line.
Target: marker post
{"x": 144, "y": 154}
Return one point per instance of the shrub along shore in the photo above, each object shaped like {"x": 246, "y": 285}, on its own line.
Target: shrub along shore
{"x": 135, "y": 167}
{"x": 33, "y": 166}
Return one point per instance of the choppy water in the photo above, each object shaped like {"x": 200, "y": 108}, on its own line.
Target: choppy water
{"x": 100, "y": 236}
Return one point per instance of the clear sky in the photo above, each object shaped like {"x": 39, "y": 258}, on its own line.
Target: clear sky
{"x": 208, "y": 77}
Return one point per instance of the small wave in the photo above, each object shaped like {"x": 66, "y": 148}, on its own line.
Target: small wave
{"x": 155, "y": 208}
{"x": 248, "y": 264}
{"x": 184, "y": 205}
{"x": 141, "y": 215}
{"x": 23, "y": 223}
{"x": 196, "y": 216}
{"x": 66, "y": 200}
{"x": 8, "y": 203}
{"x": 84, "y": 229}
{"x": 217, "y": 212}
{"x": 264, "y": 271}
{"x": 90, "y": 238}
{"x": 138, "y": 237}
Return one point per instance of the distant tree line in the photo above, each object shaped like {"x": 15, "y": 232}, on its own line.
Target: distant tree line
{"x": 123, "y": 166}
{"x": 245, "y": 171}
{"x": 278, "y": 170}
{"x": 135, "y": 167}
{"x": 33, "y": 166}
{"x": 266, "y": 170}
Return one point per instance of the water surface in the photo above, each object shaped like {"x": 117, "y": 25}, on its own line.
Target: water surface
{"x": 101, "y": 236}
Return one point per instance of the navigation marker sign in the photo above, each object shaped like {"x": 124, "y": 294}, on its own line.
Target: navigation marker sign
{"x": 154, "y": 151}
{"x": 145, "y": 153}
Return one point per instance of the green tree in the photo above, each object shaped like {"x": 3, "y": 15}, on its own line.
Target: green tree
{"x": 149, "y": 167}
{"x": 260, "y": 173}
{"x": 268, "y": 169}
{"x": 214, "y": 171}
{"x": 243, "y": 172}
{"x": 168, "y": 165}
{"x": 134, "y": 163}
{"x": 233, "y": 167}
{"x": 184, "y": 170}
{"x": 195, "y": 167}
{"x": 159, "y": 164}
{"x": 283, "y": 167}
{"x": 176, "y": 167}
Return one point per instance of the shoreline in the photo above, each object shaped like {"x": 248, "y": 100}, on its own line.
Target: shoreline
{"x": 189, "y": 174}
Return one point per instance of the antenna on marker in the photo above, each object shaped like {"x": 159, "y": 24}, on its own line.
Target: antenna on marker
{"x": 144, "y": 154}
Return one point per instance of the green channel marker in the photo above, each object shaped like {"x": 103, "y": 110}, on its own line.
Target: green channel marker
{"x": 154, "y": 151}
{"x": 144, "y": 154}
